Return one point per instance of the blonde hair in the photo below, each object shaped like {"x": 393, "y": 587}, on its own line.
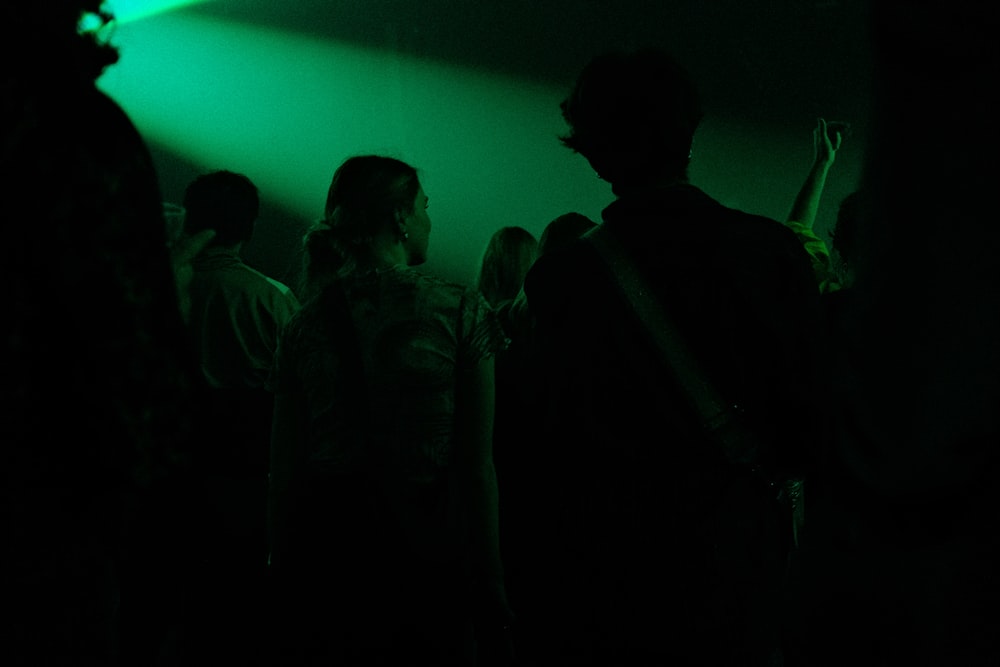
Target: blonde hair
{"x": 509, "y": 254}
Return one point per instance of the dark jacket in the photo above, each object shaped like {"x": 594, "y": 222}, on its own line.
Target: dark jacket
{"x": 635, "y": 498}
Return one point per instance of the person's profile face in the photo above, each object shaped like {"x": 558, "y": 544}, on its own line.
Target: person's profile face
{"x": 418, "y": 226}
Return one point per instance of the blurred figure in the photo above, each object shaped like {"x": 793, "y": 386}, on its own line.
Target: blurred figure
{"x": 556, "y": 234}
{"x": 652, "y": 545}
{"x": 237, "y": 313}
{"x": 100, "y": 416}
{"x": 563, "y": 229}
{"x": 518, "y": 403}
{"x": 844, "y": 238}
{"x": 383, "y": 500}
{"x": 912, "y": 550}
{"x": 506, "y": 260}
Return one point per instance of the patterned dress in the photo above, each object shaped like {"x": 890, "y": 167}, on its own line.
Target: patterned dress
{"x": 372, "y": 533}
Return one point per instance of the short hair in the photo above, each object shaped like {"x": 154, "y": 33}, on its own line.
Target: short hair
{"x": 367, "y": 195}
{"x": 509, "y": 254}
{"x": 224, "y": 201}
{"x": 633, "y": 115}
{"x": 562, "y": 230}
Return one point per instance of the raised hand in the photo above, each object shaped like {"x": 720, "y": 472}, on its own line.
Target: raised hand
{"x": 827, "y": 138}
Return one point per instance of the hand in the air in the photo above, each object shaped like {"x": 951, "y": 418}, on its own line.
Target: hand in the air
{"x": 827, "y": 138}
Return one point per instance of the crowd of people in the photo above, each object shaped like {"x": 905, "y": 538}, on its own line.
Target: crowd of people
{"x": 660, "y": 438}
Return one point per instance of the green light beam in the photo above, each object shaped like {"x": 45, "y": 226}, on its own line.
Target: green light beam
{"x": 287, "y": 109}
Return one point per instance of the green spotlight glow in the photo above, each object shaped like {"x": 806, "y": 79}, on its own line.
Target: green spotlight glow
{"x": 115, "y": 13}
{"x": 286, "y": 109}
{"x": 133, "y": 10}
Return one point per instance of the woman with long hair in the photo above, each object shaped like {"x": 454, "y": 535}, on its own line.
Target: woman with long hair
{"x": 383, "y": 504}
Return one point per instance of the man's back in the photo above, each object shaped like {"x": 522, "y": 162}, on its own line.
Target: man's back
{"x": 632, "y": 489}
{"x": 237, "y": 313}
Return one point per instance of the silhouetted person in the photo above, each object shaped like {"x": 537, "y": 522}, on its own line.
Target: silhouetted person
{"x": 237, "y": 310}
{"x": 516, "y": 431}
{"x": 383, "y": 500}
{"x": 844, "y": 236}
{"x": 237, "y": 313}
{"x": 563, "y": 229}
{"x": 653, "y": 547}
{"x": 506, "y": 259}
{"x": 913, "y": 557}
{"x": 100, "y": 390}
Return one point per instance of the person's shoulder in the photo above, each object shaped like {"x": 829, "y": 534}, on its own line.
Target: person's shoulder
{"x": 426, "y": 279}
{"x": 434, "y": 288}
{"x": 270, "y": 283}
{"x": 707, "y": 205}
{"x": 243, "y": 276}
{"x": 251, "y": 273}
{"x": 103, "y": 114}
{"x": 566, "y": 257}
{"x": 282, "y": 296}
{"x": 760, "y": 229}
{"x": 281, "y": 288}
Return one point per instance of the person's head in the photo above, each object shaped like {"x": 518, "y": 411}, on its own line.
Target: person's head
{"x": 509, "y": 254}
{"x": 61, "y": 38}
{"x": 224, "y": 201}
{"x": 844, "y": 236}
{"x": 562, "y": 230}
{"x": 375, "y": 203}
{"x": 633, "y": 116}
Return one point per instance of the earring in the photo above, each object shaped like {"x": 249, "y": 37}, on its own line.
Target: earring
{"x": 406, "y": 235}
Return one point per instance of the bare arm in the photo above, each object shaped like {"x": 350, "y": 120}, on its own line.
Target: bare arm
{"x": 807, "y": 200}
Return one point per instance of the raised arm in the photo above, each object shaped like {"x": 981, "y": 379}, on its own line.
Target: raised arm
{"x": 827, "y": 138}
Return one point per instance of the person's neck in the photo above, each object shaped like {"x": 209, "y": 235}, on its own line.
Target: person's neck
{"x": 388, "y": 253}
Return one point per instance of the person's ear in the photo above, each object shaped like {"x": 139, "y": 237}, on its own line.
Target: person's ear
{"x": 401, "y": 225}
